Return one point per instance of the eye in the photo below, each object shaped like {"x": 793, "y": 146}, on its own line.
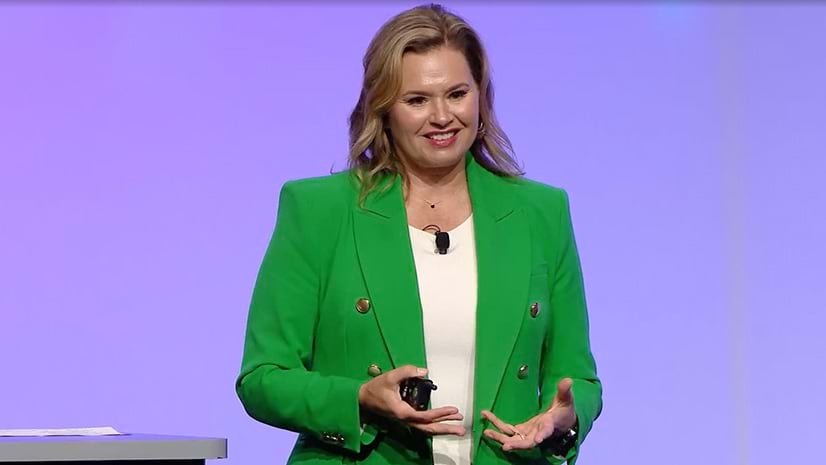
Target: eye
{"x": 458, "y": 94}
{"x": 415, "y": 100}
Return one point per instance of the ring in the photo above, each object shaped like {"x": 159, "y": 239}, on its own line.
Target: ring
{"x": 516, "y": 431}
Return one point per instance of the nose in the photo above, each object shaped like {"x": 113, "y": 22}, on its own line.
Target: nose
{"x": 440, "y": 115}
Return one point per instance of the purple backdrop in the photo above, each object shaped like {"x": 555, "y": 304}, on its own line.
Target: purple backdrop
{"x": 142, "y": 147}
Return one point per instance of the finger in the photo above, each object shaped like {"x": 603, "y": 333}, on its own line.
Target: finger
{"x": 496, "y": 436}
{"x": 517, "y": 443}
{"x": 428, "y": 416}
{"x": 514, "y": 442}
{"x": 501, "y": 425}
{"x": 455, "y": 416}
{"x": 439, "y": 428}
{"x": 563, "y": 391}
{"x": 403, "y": 372}
{"x": 524, "y": 437}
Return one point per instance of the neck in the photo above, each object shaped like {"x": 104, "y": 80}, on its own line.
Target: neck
{"x": 436, "y": 184}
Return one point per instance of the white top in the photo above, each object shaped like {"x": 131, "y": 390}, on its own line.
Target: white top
{"x": 447, "y": 289}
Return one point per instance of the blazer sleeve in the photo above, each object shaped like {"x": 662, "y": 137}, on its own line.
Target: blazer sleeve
{"x": 276, "y": 384}
{"x": 567, "y": 352}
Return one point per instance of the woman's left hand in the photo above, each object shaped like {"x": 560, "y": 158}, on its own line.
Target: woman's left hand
{"x": 559, "y": 417}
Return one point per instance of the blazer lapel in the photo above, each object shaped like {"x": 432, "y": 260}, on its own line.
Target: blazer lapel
{"x": 386, "y": 259}
{"x": 503, "y": 268}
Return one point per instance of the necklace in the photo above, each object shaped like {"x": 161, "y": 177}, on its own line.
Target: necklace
{"x": 432, "y": 204}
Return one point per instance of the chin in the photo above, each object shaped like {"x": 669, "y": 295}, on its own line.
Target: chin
{"x": 443, "y": 158}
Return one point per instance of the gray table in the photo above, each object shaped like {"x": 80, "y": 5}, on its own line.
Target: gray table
{"x": 131, "y": 449}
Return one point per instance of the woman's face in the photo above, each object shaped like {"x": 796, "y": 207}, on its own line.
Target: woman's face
{"x": 436, "y": 117}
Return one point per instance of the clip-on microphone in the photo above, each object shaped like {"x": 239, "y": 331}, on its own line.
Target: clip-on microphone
{"x": 442, "y": 239}
{"x": 442, "y": 242}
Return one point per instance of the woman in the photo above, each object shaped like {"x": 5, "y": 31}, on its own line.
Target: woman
{"x": 355, "y": 295}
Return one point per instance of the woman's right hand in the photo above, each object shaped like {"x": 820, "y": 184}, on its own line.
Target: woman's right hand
{"x": 381, "y": 395}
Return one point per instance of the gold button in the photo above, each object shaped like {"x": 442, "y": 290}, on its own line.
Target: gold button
{"x": 534, "y": 309}
{"x": 523, "y": 372}
{"x": 373, "y": 370}
{"x": 363, "y": 305}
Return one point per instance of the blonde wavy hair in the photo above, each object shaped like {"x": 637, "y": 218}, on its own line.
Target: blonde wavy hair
{"x": 419, "y": 30}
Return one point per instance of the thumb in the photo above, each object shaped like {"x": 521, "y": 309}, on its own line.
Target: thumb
{"x": 563, "y": 392}
{"x": 405, "y": 371}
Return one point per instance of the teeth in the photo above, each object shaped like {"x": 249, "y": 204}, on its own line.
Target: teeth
{"x": 444, "y": 136}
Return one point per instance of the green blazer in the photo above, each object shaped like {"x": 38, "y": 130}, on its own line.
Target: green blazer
{"x": 309, "y": 345}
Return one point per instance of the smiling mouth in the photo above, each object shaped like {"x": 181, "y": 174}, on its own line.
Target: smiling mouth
{"x": 442, "y": 135}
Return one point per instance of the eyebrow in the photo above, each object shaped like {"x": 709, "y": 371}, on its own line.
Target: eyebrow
{"x": 451, "y": 89}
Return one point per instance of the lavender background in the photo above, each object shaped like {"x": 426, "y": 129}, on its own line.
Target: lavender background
{"x": 142, "y": 146}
